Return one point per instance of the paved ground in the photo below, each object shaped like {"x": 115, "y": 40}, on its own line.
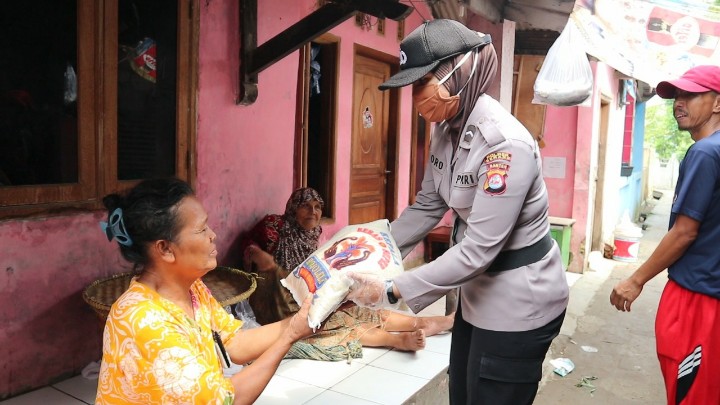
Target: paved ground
{"x": 613, "y": 352}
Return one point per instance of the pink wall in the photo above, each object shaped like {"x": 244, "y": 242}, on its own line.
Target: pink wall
{"x": 560, "y": 142}
{"x": 581, "y": 186}
{"x": 46, "y": 329}
{"x": 571, "y": 133}
{"x": 245, "y": 153}
{"x": 245, "y": 170}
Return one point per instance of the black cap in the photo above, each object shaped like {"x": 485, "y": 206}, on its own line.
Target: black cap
{"x": 428, "y": 45}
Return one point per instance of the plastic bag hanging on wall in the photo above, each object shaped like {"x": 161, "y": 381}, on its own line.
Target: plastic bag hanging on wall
{"x": 565, "y": 78}
{"x": 314, "y": 70}
{"x": 70, "y": 93}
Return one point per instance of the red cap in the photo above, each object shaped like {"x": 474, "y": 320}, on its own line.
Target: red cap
{"x": 696, "y": 80}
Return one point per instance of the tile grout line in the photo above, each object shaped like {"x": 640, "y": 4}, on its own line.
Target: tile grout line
{"x": 341, "y": 393}
{"x": 68, "y": 394}
{"x": 317, "y": 386}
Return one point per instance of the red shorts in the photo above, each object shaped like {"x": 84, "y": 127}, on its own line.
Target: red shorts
{"x": 687, "y": 329}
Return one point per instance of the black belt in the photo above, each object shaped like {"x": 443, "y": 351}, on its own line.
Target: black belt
{"x": 512, "y": 259}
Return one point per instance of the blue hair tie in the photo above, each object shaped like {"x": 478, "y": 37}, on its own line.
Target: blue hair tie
{"x": 115, "y": 228}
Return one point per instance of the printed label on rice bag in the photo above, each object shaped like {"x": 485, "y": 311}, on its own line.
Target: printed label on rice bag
{"x": 313, "y": 272}
{"x": 364, "y": 248}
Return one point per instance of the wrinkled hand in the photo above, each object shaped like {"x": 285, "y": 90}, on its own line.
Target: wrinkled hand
{"x": 624, "y": 293}
{"x": 263, "y": 260}
{"x": 367, "y": 291}
{"x": 298, "y": 327}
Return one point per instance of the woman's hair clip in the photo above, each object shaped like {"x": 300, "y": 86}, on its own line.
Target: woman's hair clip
{"x": 115, "y": 228}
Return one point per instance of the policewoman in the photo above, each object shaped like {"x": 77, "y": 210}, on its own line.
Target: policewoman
{"x": 486, "y": 168}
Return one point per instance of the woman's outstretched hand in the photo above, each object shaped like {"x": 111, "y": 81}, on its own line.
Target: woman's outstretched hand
{"x": 367, "y": 291}
{"x": 299, "y": 327}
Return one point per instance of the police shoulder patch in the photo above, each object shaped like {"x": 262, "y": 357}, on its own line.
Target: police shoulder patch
{"x": 497, "y": 165}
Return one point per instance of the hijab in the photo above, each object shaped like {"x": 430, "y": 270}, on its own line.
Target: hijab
{"x": 486, "y": 63}
{"x": 295, "y": 244}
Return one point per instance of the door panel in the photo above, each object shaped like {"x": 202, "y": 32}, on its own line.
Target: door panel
{"x": 598, "y": 170}
{"x": 369, "y": 154}
{"x": 531, "y": 115}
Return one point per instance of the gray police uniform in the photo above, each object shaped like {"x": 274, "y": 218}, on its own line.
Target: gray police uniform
{"x": 508, "y": 269}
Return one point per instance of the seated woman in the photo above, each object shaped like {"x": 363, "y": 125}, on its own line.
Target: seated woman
{"x": 166, "y": 336}
{"x": 278, "y": 244}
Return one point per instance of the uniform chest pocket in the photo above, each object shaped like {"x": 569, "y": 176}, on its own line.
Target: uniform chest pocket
{"x": 438, "y": 168}
{"x": 438, "y": 177}
{"x": 464, "y": 184}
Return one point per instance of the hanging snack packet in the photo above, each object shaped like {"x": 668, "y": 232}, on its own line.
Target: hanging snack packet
{"x": 143, "y": 59}
{"x": 363, "y": 248}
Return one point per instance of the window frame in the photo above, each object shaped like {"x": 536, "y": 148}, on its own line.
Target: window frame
{"x": 419, "y": 152}
{"x": 97, "y": 31}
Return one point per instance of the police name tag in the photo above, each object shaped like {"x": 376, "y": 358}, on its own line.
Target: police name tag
{"x": 467, "y": 179}
{"x": 437, "y": 164}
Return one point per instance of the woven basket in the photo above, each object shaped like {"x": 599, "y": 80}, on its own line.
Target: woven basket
{"x": 229, "y": 286}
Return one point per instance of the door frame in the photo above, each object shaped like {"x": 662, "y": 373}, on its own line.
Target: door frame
{"x": 596, "y": 228}
{"x": 393, "y": 119}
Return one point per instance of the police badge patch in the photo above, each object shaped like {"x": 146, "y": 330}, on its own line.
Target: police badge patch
{"x": 497, "y": 165}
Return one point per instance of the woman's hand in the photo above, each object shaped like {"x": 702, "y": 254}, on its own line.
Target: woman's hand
{"x": 298, "y": 327}
{"x": 262, "y": 259}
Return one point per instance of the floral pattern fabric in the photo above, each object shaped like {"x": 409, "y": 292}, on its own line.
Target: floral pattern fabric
{"x": 153, "y": 353}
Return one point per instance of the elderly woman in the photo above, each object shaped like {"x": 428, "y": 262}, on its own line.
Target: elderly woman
{"x": 166, "y": 336}
{"x": 278, "y": 244}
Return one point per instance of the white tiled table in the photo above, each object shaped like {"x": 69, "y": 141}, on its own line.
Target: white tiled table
{"x": 381, "y": 377}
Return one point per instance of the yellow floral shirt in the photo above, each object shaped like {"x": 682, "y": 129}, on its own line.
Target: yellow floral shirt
{"x": 153, "y": 353}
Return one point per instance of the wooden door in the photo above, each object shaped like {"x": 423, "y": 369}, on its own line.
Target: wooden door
{"x": 369, "y": 152}
{"x": 532, "y": 116}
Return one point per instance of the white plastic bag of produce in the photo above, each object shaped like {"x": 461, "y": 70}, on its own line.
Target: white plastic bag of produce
{"x": 565, "y": 78}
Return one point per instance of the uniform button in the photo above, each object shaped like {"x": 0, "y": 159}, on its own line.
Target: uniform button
{"x": 416, "y": 306}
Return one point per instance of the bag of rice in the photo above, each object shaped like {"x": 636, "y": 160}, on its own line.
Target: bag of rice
{"x": 363, "y": 248}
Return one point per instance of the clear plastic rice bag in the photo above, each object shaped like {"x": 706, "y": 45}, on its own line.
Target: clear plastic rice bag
{"x": 367, "y": 248}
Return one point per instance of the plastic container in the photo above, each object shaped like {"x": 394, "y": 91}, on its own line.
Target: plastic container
{"x": 627, "y": 241}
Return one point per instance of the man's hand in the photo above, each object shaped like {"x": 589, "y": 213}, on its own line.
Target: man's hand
{"x": 624, "y": 293}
